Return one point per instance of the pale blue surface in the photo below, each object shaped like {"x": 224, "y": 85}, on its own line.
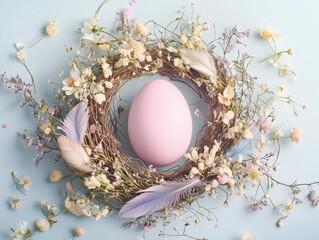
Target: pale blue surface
{"x": 25, "y": 21}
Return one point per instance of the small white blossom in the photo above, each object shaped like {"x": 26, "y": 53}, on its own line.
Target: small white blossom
{"x": 286, "y": 209}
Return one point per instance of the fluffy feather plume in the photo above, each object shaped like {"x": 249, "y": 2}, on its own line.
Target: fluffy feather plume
{"x": 73, "y": 154}
{"x": 158, "y": 197}
{"x": 199, "y": 60}
{"x": 76, "y": 122}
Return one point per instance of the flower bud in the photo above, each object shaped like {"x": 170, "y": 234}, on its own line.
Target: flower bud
{"x": 43, "y": 202}
{"x": 56, "y": 176}
{"x": 279, "y": 223}
{"x": 43, "y": 224}
{"x": 51, "y": 29}
{"x": 290, "y": 51}
{"x": 79, "y": 231}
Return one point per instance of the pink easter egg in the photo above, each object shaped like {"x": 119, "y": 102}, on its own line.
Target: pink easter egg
{"x": 160, "y": 123}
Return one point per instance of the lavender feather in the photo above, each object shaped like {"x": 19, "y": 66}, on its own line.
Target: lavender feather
{"x": 158, "y": 197}
{"x": 76, "y": 122}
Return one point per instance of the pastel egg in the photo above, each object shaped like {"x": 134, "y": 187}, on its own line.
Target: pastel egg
{"x": 160, "y": 123}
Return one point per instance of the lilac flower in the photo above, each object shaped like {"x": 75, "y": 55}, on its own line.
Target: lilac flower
{"x": 131, "y": 224}
{"x": 312, "y": 198}
{"x": 148, "y": 224}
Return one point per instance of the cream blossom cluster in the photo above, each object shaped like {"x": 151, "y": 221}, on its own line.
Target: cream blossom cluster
{"x": 239, "y": 130}
{"x": 98, "y": 181}
{"x": 193, "y": 38}
{"x": 81, "y": 205}
{"x": 131, "y": 50}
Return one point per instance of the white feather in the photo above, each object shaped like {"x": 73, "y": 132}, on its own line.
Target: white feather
{"x": 73, "y": 154}
{"x": 199, "y": 60}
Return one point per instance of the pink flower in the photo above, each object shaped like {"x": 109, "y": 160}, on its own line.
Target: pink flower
{"x": 264, "y": 124}
{"x": 69, "y": 186}
{"x": 4, "y": 125}
{"x": 127, "y": 13}
{"x": 297, "y": 134}
{"x": 223, "y": 179}
{"x": 215, "y": 183}
{"x": 229, "y": 115}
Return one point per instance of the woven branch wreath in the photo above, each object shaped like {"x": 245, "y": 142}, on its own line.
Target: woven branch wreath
{"x": 128, "y": 181}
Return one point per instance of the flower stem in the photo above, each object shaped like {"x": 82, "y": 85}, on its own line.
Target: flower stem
{"x": 98, "y": 10}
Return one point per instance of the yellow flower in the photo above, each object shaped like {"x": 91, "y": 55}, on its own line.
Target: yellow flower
{"x": 269, "y": 34}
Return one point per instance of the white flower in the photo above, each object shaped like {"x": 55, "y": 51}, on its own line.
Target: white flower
{"x": 264, "y": 87}
{"x": 278, "y": 131}
{"x": 56, "y": 176}
{"x": 103, "y": 44}
{"x": 262, "y": 142}
{"x": 93, "y": 21}
{"x": 229, "y": 115}
{"x": 149, "y": 58}
{"x": 26, "y": 182}
{"x": 278, "y": 94}
{"x": 87, "y": 71}
{"x": 92, "y": 182}
{"x": 171, "y": 49}
{"x": 76, "y": 207}
{"x": 19, "y": 46}
{"x": 122, "y": 62}
{"x": 183, "y": 39}
{"x": 71, "y": 83}
{"x": 99, "y": 98}
{"x": 46, "y": 127}
{"x": 179, "y": 63}
{"x": 107, "y": 70}
{"x": 201, "y": 166}
{"x": 286, "y": 209}
{"x": 51, "y": 29}
{"x": 19, "y": 232}
{"x": 248, "y": 134}
{"x": 286, "y": 71}
{"x": 108, "y": 84}
{"x": 21, "y": 56}
{"x": 194, "y": 171}
{"x": 42, "y": 224}
{"x": 16, "y": 203}
{"x": 138, "y": 49}
{"x": 227, "y": 95}
{"x": 253, "y": 174}
{"x": 246, "y": 236}
{"x": 240, "y": 187}
{"x": 142, "y": 29}
{"x": 269, "y": 34}
{"x": 88, "y": 31}
{"x": 297, "y": 134}
{"x": 52, "y": 207}
{"x": 198, "y": 31}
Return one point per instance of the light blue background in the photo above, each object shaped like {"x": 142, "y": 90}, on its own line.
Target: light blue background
{"x": 25, "y": 21}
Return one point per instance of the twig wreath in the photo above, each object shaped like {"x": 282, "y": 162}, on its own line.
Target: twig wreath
{"x": 231, "y": 148}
